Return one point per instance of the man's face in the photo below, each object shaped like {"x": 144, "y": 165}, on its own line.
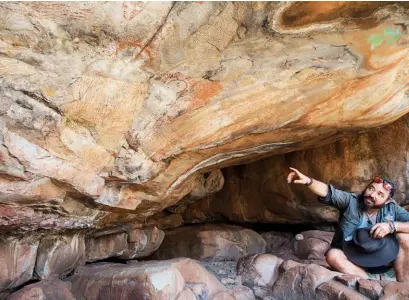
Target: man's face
{"x": 375, "y": 195}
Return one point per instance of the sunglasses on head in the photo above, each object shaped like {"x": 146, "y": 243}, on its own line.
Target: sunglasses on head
{"x": 386, "y": 185}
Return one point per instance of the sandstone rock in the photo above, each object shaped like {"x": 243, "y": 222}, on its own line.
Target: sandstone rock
{"x": 44, "y": 290}
{"x": 105, "y": 246}
{"x": 147, "y": 280}
{"x": 260, "y": 270}
{"x": 278, "y": 243}
{"x": 312, "y": 244}
{"x": 238, "y": 293}
{"x": 17, "y": 261}
{"x": 370, "y": 288}
{"x": 142, "y": 242}
{"x": 186, "y": 294}
{"x": 210, "y": 242}
{"x": 59, "y": 255}
{"x": 395, "y": 290}
{"x": 333, "y": 290}
{"x": 289, "y": 264}
{"x": 301, "y": 282}
{"x": 348, "y": 280}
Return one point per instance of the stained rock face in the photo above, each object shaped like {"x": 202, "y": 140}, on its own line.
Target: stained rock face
{"x": 17, "y": 258}
{"x": 110, "y": 245}
{"x": 210, "y": 242}
{"x": 59, "y": 255}
{"x": 44, "y": 290}
{"x": 258, "y": 192}
{"x": 124, "y": 106}
{"x": 143, "y": 242}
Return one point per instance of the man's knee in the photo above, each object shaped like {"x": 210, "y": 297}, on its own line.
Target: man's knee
{"x": 335, "y": 256}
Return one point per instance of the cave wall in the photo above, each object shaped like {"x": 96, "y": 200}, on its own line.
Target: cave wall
{"x": 258, "y": 192}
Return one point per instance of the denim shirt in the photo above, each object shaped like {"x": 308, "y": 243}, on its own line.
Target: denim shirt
{"x": 350, "y": 206}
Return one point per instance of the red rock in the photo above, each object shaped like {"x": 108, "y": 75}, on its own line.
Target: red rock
{"x": 301, "y": 282}
{"x": 370, "y": 288}
{"x": 348, "y": 280}
{"x": 148, "y": 280}
{"x": 210, "y": 242}
{"x": 44, "y": 290}
{"x": 17, "y": 261}
{"x": 395, "y": 291}
{"x": 259, "y": 270}
{"x": 312, "y": 244}
{"x": 59, "y": 255}
{"x": 278, "y": 243}
{"x": 333, "y": 290}
{"x": 142, "y": 242}
{"x": 289, "y": 264}
{"x": 105, "y": 246}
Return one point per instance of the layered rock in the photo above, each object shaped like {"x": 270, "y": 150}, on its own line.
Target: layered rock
{"x": 18, "y": 259}
{"x": 124, "y": 106}
{"x": 44, "y": 290}
{"x": 59, "y": 255}
{"x": 210, "y": 242}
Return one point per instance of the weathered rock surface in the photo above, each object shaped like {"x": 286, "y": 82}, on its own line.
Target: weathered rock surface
{"x": 110, "y": 245}
{"x": 210, "y": 242}
{"x": 59, "y": 255}
{"x": 258, "y": 192}
{"x": 17, "y": 261}
{"x": 312, "y": 244}
{"x": 259, "y": 272}
{"x": 154, "y": 280}
{"x": 143, "y": 242}
{"x": 300, "y": 282}
{"x": 124, "y": 106}
{"x": 44, "y": 290}
{"x": 336, "y": 291}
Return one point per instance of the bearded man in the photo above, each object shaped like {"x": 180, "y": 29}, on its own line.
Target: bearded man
{"x": 374, "y": 208}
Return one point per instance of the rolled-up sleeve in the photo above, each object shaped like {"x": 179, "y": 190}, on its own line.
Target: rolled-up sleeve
{"x": 401, "y": 214}
{"x": 336, "y": 198}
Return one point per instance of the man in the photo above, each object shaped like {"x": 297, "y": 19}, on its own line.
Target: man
{"x": 373, "y": 207}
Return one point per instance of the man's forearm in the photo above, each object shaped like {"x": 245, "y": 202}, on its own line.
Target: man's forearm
{"x": 318, "y": 188}
{"x": 402, "y": 227}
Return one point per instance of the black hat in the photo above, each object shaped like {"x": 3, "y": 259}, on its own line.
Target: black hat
{"x": 367, "y": 252}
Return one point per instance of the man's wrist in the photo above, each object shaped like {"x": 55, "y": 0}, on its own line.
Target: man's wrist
{"x": 311, "y": 181}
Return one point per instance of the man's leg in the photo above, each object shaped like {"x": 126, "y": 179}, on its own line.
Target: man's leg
{"x": 401, "y": 264}
{"x": 339, "y": 262}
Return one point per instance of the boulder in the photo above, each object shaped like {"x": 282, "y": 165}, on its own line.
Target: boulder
{"x": 395, "y": 290}
{"x": 17, "y": 261}
{"x": 333, "y": 290}
{"x": 44, "y": 290}
{"x": 259, "y": 271}
{"x": 142, "y": 242}
{"x": 312, "y": 244}
{"x": 370, "y": 288}
{"x": 148, "y": 280}
{"x": 300, "y": 282}
{"x": 210, "y": 242}
{"x": 105, "y": 246}
{"x": 278, "y": 243}
{"x": 59, "y": 255}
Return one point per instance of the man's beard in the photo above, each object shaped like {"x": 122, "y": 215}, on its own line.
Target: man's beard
{"x": 369, "y": 206}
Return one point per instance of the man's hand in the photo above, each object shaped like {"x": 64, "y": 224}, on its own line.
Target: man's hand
{"x": 380, "y": 230}
{"x": 297, "y": 177}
